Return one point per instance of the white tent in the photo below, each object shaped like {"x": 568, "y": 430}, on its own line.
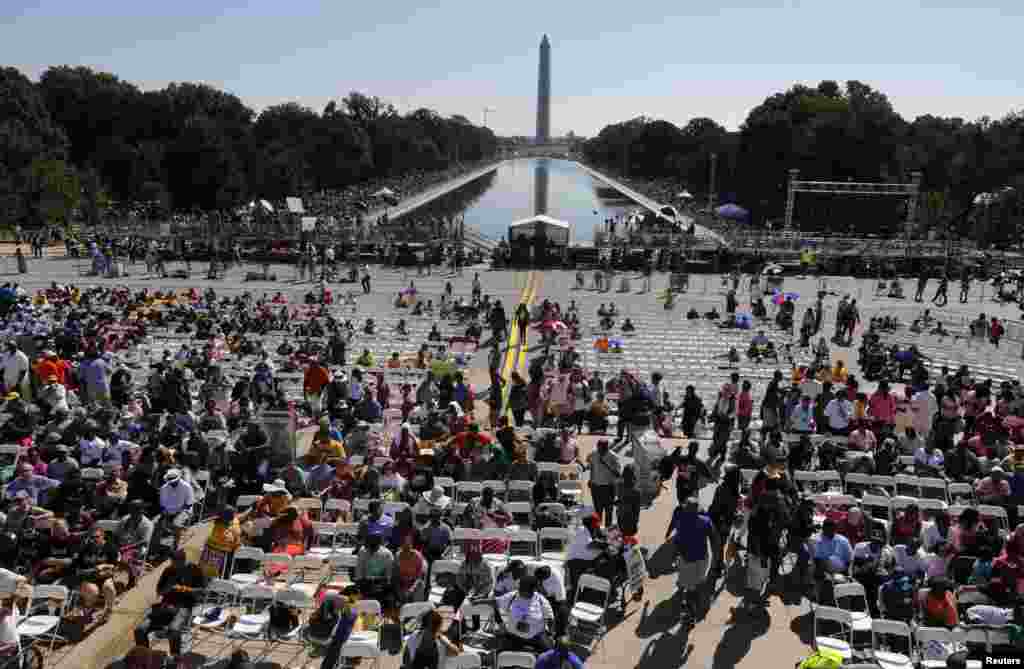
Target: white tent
{"x": 384, "y": 192}
{"x": 557, "y": 231}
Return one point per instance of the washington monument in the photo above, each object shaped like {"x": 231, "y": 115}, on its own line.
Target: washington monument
{"x": 544, "y": 93}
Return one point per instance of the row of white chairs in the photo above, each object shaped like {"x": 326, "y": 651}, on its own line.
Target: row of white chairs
{"x": 915, "y": 639}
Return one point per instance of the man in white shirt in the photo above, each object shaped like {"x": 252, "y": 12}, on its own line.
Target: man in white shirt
{"x": 15, "y": 367}
{"x": 838, "y": 411}
{"x": 551, "y": 586}
{"x": 524, "y": 614}
{"x": 176, "y": 499}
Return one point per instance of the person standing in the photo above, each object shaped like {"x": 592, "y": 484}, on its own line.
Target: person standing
{"x": 605, "y": 470}
{"x": 941, "y": 292}
{"x": 922, "y": 284}
{"x": 692, "y": 532}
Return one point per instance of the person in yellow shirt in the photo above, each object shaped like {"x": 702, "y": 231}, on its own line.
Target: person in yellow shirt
{"x": 840, "y": 373}
{"x": 225, "y": 538}
{"x": 324, "y": 448}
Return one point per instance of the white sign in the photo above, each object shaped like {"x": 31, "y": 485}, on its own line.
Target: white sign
{"x": 295, "y": 205}
{"x": 309, "y": 223}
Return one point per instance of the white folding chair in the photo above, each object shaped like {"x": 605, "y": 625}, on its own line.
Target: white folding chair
{"x": 932, "y": 506}
{"x": 325, "y": 535}
{"x": 306, "y": 573}
{"x": 244, "y": 502}
{"x": 856, "y": 483}
{"x": 887, "y": 658}
{"x": 447, "y": 484}
{"x": 549, "y": 467}
{"x": 522, "y": 543}
{"x": 587, "y": 615}
{"x": 521, "y": 512}
{"x": 840, "y": 645}
{"x": 805, "y": 479}
{"x": 47, "y": 606}
{"x": 509, "y": 659}
{"x": 748, "y": 475}
{"x": 857, "y": 606}
{"x": 482, "y": 641}
{"x": 251, "y": 577}
{"x": 886, "y": 483}
{"x": 220, "y": 594}
{"x": 549, "y": 535}
{"x": 254, "y": 623}
{"x": 879, "y": 507}
{"x": 466, "y": 491}
{"x": 438, "y": 568}
{"x": 908, "y": 486}
{"x": 202, "y": 480}
{"x": 829, "y": 479}
{"x": 572, "y": 490}
{"x": 519, "y": 491}
{"x": 923, "y": 636}
{"x": 961, "y": 493}
{"x": 411, "y": 615}
{"x": 464, "y": 661}
{"x": 933, "y": 488}
{"x": 997, "y": 513}
{"x": 498, "y": 487}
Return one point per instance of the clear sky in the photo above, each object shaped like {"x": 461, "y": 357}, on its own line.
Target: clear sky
{"x": 611, "y": 60}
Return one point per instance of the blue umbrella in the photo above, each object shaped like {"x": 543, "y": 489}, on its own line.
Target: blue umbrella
{"x": 733, "y": 211}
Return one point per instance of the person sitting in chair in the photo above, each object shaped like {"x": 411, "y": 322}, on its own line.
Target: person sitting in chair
{"x": 628, "y": 326}
{"x": 758, "y": 345}
{"x": 712, "y": 315}
{"x": 180, "y": 588}
{"x": 525, "y": 615}
{"x": 896, "y": 289}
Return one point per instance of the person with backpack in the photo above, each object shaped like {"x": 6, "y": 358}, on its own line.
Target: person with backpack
{"x": 767, "y": 521}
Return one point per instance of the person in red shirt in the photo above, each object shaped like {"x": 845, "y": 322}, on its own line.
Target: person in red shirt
{"x": 744, "y": 408}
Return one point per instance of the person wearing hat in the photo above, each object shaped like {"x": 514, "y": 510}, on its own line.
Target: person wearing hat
{"x": 431, "y": 501}
{"x": 176, "y": 500}
{"x": 135, "y": 529}
{"x": 62, "y": 463}
{"x": 14, "y": 367}
{"x": 23, "y": 511}
{"x": 53, "y": 395}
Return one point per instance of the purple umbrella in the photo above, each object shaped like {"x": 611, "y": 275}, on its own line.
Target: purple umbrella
{"x": 733, "y": 211}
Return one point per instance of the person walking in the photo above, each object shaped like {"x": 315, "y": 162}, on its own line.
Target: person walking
{"x": 941, "y": 292}
{"x": 922, "y": 283}
{"x": 692, "y": 532}
{"x": 965, "y": 285}
{"x": 605, "y": 470}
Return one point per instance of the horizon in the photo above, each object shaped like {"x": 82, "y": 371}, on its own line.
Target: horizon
{"x": 713, "y": 62}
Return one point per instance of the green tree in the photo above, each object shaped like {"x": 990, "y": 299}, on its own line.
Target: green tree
{"x": 54, "y": 191}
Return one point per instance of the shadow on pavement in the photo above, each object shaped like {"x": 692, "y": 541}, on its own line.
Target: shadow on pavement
{"x": 662, "y": 561}
{"x": 734, "y": 645}
{"x": 661, "y": 619}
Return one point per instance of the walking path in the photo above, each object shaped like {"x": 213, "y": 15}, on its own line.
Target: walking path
{"x": 416, "y": 201}
{"x": 648, "y": 203}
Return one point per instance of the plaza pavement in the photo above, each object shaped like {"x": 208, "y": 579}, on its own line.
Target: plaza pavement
{"x": 649, "y": 631}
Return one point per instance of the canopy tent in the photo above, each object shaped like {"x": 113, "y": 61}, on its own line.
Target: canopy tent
{"x": 557, "y": 231}
{"x": 384, "y": 192}
{"x": 295, "y": 205}
{"x": 685, "y": 195}
{"x": 261, "y": 204}
{"x": 732, "y": 211}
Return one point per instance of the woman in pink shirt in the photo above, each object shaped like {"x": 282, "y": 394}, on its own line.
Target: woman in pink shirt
{"x": 882, "y": 405}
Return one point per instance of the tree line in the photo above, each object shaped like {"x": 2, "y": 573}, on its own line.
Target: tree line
{"x": 835, "y": 133}
{"x": 78, "y": 139}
